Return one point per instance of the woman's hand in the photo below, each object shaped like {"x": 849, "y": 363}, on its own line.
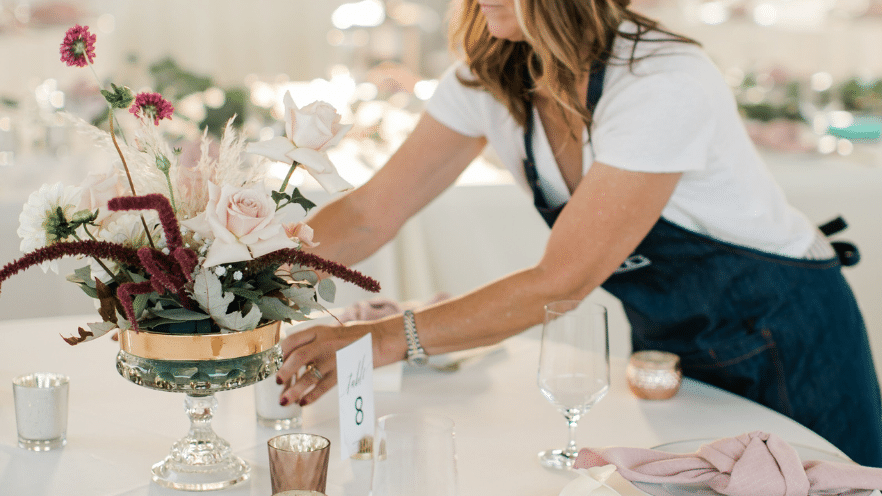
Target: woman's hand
{"x": 310, "y": 366}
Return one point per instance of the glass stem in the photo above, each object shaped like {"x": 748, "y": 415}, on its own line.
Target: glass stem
{"x": 201, "y": 446}
{"x": 200, "y": 409}
{"x": 571, "y": 450}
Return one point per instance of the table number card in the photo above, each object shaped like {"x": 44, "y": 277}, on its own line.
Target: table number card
{"x": 355, "y": 365}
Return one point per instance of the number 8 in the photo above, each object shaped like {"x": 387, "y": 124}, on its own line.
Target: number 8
{"x": 359, "y": 414}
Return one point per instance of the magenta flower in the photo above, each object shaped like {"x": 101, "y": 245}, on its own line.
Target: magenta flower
{"x": 78, "y": 47}
{"x": 152, "y": 106}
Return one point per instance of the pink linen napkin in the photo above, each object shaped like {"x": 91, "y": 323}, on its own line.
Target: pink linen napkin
{"x": 752, "y": 464}
{"x": 378, "y": 308}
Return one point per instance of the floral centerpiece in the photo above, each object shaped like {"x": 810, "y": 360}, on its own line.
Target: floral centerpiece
{"x": 191, "y": 248}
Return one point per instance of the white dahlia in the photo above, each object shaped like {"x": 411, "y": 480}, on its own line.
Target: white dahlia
{"x": 38, "y": 220}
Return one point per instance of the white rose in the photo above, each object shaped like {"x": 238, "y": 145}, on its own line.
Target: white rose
{"x": 311, "y": 131}
{"x": 315, "y": 126}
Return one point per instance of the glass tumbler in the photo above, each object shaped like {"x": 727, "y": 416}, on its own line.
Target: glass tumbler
{"x": 414, "y": 455}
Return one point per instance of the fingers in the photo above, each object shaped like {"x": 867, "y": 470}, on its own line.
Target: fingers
{"x": 295, "y": 355}
{"x": 297, "y": 340}
{"x": 321, "y": 388}
{"x": 309, "y": 366}
{"x": 314, "y": 379}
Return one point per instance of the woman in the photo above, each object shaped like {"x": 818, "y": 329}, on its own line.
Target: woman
{"x": 664, "y": 203}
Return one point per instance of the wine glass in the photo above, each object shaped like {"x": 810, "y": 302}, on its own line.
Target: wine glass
{"x": 573, "y": 367}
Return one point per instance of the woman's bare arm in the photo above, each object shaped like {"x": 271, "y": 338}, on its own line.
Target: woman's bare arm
{"x": 610, "y": 212}
{"x": 354, "y": 226}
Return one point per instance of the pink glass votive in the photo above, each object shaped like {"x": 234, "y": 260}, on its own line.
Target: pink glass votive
{"x": 654, "y": 375}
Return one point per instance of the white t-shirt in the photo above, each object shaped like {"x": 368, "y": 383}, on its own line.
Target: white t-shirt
{"x": 672, "y": 112}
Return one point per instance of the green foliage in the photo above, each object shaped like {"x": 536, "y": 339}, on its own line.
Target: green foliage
{"x": 121, "y": 97}
{"x": 209, "y": 293}
{"x": 59, "y": 227}
{"x": 235, "y": 104}
{"x": 862, "y": 96}
{"x": 173, "y": 81}
{"x": 282, "y": 199}
{"x": 169, "y": 78}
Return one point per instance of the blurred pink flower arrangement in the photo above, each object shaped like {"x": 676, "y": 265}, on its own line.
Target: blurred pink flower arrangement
{"x": 186, "y": 247}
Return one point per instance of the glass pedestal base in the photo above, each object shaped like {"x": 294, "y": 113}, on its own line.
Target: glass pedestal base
{"x": 557, "y": 459}
{"x": 200, "y": 461}
{"x": 174, "y": 475}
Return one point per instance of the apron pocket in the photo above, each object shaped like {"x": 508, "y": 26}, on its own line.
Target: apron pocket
{"x": 749, "y": 366}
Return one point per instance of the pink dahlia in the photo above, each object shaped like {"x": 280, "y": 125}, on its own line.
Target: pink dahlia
{"x": 78, "y": 47}
{"x": 152, "y": 105}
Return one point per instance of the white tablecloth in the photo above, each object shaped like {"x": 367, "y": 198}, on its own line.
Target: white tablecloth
{"x": 117, "y": 430}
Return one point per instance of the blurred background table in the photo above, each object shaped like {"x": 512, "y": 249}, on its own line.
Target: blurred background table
{"x": 117, "y": 430}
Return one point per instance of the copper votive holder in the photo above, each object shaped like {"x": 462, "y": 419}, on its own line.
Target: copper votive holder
{"x": 654, "y": 375}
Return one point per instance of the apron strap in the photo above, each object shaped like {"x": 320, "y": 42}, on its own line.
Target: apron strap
{"x": 847, "y": 252}
{"x": 595, "y": 90}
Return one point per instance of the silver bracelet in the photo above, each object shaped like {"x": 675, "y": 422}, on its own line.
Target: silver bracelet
{"x": 416, "y": 355}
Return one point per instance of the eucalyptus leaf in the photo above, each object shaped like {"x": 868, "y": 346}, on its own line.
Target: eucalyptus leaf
{"x": 179, "y": 314}
{"x": 302, "y": 297}
{"x": 248, "y": 294}
{"x": 140, "y": 303}
{"x": 327, "y": 290}
{"x": 91, "y": 291}
{"x": 122, "y": 323}
{"x": 305, "y": 275}
{"x": 83, "y": 275}
{"x": 155, "y": 321}
{"x": 276, "y": 309}
{"x": 269, "y": 282}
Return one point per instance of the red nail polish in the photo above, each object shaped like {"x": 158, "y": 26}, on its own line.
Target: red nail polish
{"x": 302, "y": 403}
{"x": 283, "y": 401}
{"x": 279, "y": 381}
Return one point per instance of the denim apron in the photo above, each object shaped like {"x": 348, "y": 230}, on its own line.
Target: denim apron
{"x": 784, "y": 332}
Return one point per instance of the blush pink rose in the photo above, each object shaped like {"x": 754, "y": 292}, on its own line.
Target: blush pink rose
{"x": 301, "y": 232}
{"x": 241, "y": 222}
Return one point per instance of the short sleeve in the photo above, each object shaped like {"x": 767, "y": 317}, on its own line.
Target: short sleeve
{"x": 457, "y": 106}
{"x": 662, "y": 122}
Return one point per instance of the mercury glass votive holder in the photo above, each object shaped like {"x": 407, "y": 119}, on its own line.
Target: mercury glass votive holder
{"x": 41, "y": 410}
{"x": 654, "y": 375}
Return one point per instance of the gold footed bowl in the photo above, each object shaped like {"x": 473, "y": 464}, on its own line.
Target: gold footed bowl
{"x": 200, "y": 365}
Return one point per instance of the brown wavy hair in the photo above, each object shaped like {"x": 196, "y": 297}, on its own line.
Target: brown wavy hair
{"x": 563, "y": 38}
